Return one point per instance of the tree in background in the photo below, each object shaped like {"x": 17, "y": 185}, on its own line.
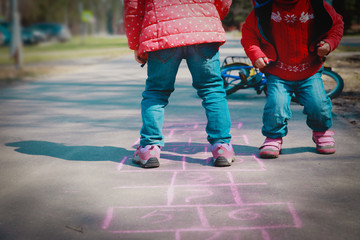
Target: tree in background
{"x": 350, "y": 10}
{"x": 239, "y": 10}
{"x": 107, "y": 13}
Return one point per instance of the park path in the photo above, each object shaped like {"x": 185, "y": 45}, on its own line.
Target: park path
{"x": 66, "y": 173}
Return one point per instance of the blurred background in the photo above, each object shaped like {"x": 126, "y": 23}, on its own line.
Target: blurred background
{"x": 35, "y": 31}
{"x": 105, "y": 16}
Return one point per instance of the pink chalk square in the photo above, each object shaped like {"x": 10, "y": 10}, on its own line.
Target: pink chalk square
{"x": 249, "y": 217}
{"x": 151, "y": 219}
{"x": 258, "y": 193}
{"x": 200, "y": 178}
{"x": 204, "y": 195}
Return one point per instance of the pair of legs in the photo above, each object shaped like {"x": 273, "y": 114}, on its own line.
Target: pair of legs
{"x": 310, "y": 93}
{"x": 204, "y": 65}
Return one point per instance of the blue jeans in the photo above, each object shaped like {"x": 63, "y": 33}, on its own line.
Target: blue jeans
{"x": 204, "y": 65}
{"x": 310, "y": 93}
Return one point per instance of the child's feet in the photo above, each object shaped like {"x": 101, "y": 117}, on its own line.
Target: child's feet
{"x": 148, "y": 156}
{"x": 271, "y": 148}
{"x": 223, "y": 154}
{"x": 324, "y": 141}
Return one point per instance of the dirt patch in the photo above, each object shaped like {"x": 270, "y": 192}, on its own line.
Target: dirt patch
{"x": 347, "y": 105}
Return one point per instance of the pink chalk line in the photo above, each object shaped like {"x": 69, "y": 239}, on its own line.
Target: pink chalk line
{"x": 261, "y": 204}
{"x": 206, "y": 193}
{"x": 189, "y": 142}
{"x": 108, "y": 218}
{"x": 121, "y": 164}
{"x": 193, "y": 185}
{"x": 136, "y": 142}
{"x": 170, "y": 193}
{"x": 206, "y": 227}
{"x": 261, "y": 163}
{"x": 177, "y": 235}
{"x": 246, "y": 140}
{"x": 297, "y": 220}
{"x": 235, "y": 228}
{"x": 234, "y": 191}
{"x": 202, "y": 216}
{"x": 184, "y": 163}
{"x": 265, "y": 235}
{"x": 212, "y": 169}
{"x": 239, "y": 160}
{"x": 171, "y": 133}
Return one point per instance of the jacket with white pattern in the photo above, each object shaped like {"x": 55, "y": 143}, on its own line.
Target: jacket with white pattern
{"x": 153, "y": 25}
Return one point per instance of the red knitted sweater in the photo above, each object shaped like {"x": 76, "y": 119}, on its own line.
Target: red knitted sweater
{"x": 292, "y": 27}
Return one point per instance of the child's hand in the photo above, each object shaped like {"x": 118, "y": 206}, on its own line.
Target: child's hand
{"x": 261, "y": 62}
{"x": 323, "y": 49}
{"x": 138, "y": 58}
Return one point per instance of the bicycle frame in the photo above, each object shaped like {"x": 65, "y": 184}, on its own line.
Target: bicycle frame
{"x": 249, "y": 77}
{"x": 245, "y": 81}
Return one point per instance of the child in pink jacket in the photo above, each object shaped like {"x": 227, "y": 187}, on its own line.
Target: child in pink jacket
{"x": 287, "y": 40}
{"x": 162, "y": 33}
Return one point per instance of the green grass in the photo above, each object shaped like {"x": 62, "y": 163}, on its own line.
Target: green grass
{"x": 77, "y": 47}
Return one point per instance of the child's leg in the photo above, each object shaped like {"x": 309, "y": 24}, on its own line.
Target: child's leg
{"x": 317, "y": 106}
{"x": 277, "y": 110}
{"x": 162, "y": 69}
{"x": 204, "y": 65}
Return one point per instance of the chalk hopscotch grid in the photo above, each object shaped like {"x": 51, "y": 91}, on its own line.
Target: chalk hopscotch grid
{"x": 164, "y": 217}
{"x": 161, "y": 218}
{"x": 190, "y": 149}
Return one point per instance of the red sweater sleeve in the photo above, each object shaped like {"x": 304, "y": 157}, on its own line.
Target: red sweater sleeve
{"x": 333, "y": 37}
{"x": 134, "y": 11}
{"x": 251, "y": 39}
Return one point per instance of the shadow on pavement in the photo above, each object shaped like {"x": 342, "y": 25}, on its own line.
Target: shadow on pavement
{"x": 73, "y": 153}
{"x": 296, "y": 150}
{"x": 174, "y": 151}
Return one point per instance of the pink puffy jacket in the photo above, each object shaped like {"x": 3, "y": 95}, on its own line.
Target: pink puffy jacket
{"x": 153, "y": 25}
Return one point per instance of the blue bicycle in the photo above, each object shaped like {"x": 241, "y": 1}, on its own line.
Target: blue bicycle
{"x": 238, "y": 73}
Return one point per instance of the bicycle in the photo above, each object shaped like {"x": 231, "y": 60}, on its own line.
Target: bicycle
{"x": 238, "y": 73}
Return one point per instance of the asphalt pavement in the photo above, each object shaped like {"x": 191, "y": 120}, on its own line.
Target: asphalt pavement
{"x": 66, "y": 143}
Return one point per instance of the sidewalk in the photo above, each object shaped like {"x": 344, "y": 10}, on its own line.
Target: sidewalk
{"x": 66, "y": 173}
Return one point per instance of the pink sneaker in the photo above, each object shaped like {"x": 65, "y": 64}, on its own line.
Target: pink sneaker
{"x": 324, "y": 141}
{"x": 223, "y": 154}
{"x": 147, "y": 157}
{"x": 271, "y": 148}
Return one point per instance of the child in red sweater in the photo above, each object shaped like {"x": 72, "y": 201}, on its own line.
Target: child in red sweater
{"x": 287, "y": 40}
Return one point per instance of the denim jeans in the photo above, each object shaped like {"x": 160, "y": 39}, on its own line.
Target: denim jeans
{"x": 310, "y": 93}
{"x": 204, "y": 65}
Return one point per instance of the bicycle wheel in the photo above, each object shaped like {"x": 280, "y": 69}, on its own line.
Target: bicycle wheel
{"x": 333, "y": 83}
{"x": 232, "y": 75}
